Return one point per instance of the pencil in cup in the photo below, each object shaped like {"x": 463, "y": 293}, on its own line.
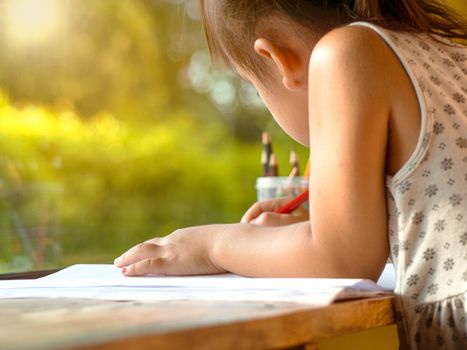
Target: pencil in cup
{"x": 293, "y": 204}
{"x": 266, "y": 154}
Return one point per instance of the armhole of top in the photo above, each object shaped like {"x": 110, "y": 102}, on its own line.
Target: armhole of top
{"x": 418, "y": 154}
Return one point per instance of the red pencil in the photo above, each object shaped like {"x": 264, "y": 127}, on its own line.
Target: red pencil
{"x": 294, "y": 203}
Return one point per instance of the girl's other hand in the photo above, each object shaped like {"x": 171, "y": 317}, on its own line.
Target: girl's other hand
{"x": 184, "y": 252}
{"x": 263, "y": 213}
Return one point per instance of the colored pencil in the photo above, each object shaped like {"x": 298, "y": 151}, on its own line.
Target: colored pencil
{"x": 265, "y": 163}
{"x": 294, "y": 162}
{"x": 293, "y": 204}
{"x": 266, "y": 154}
{"x": 290, "y": 206}
{"x": 307, "y": 170}
{"x": 273, "y": 166}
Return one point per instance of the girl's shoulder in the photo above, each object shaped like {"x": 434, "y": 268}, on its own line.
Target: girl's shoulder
{"x": 359, "y": 55}
{"x": 365, "y": 42}
{"x": 351, "y": 44}
{"x": 357, "y": 65}
{"x": 350, "y": 34}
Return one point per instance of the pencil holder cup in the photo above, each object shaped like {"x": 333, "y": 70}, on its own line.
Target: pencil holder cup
{"x": 279, "y": 186}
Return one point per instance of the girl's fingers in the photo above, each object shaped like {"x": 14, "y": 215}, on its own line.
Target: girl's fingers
{"x": 145, "y": 267}
{"x": 156, "y": 240}
{"x": 139, "y": 252}
{"x": 301, "y": 213}
{"x": 273, "y": 219}
{"x": 260, "y": 207}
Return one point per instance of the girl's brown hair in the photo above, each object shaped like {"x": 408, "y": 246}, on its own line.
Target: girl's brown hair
{"x": 231, "y": 26}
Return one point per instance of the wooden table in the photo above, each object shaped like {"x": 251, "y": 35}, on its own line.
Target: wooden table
{"x": 91, "y": 324}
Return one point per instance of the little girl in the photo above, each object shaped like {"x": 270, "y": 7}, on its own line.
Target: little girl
{"x": 378, "y": 91}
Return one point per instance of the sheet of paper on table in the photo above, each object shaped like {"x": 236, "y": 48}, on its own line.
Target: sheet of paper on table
{"x": 105, "y": 282}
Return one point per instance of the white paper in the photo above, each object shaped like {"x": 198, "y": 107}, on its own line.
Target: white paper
{"x": 106, "y": 282}
{"x": 387, "y": 280}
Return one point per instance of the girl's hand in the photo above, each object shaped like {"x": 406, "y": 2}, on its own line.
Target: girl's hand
{"x": 184, "y": 252}
{"x": 263, "y": 213}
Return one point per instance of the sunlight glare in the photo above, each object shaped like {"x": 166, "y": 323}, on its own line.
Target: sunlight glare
{"x": 32, "y": 21}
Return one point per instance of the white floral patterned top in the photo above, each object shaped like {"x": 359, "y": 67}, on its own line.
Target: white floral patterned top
{"x": 427, "y": 198}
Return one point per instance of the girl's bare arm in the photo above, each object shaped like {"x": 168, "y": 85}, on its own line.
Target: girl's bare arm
{"x": 350, "y": 103}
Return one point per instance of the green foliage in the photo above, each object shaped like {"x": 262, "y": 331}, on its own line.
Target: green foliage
{"x": 97, "y": 187}
{"x": 108, "y": 57}
{"x": 110, "y": 135}
{"x": 130, "y": 58}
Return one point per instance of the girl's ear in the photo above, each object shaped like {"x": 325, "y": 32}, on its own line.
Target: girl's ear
{"x": 288, "y": 62}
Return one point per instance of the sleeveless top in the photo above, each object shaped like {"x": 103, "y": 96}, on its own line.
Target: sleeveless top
{"x": 427, "y": 198}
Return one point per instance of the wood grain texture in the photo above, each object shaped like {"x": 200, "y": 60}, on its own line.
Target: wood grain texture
{"x": 91, "y": 324}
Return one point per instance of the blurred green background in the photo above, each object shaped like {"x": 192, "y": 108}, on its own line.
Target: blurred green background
{"x": 114, "y": 129}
